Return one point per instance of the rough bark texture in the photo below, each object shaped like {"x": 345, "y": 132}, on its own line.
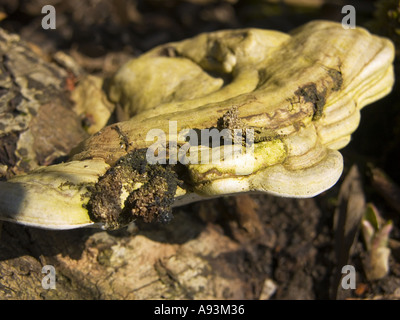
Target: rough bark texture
{"x": 37, "y": 123}
{"x": 221, "y": 249}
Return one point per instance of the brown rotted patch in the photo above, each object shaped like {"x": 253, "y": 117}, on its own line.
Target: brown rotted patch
{"x": 310, "y": 93}
{"x": 151, "y": 202}
{"x": 337, "y": 78}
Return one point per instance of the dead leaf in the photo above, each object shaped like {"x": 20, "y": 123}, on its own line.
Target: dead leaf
{"x": 347, "y": 220}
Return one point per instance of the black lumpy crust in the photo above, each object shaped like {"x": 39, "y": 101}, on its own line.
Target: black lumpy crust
{"x": 151, "y": 202}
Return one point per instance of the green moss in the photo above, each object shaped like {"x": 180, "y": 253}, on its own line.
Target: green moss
{"x": 269, "y": 153}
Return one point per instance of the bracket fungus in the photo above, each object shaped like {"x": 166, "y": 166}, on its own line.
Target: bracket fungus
{"x": 295, "y": 98}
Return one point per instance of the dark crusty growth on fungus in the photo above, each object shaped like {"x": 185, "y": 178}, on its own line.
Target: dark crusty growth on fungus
{"x": 230, "y": 120}
{"x": 310, "y": 93}
{"x": 151, "y": 201}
